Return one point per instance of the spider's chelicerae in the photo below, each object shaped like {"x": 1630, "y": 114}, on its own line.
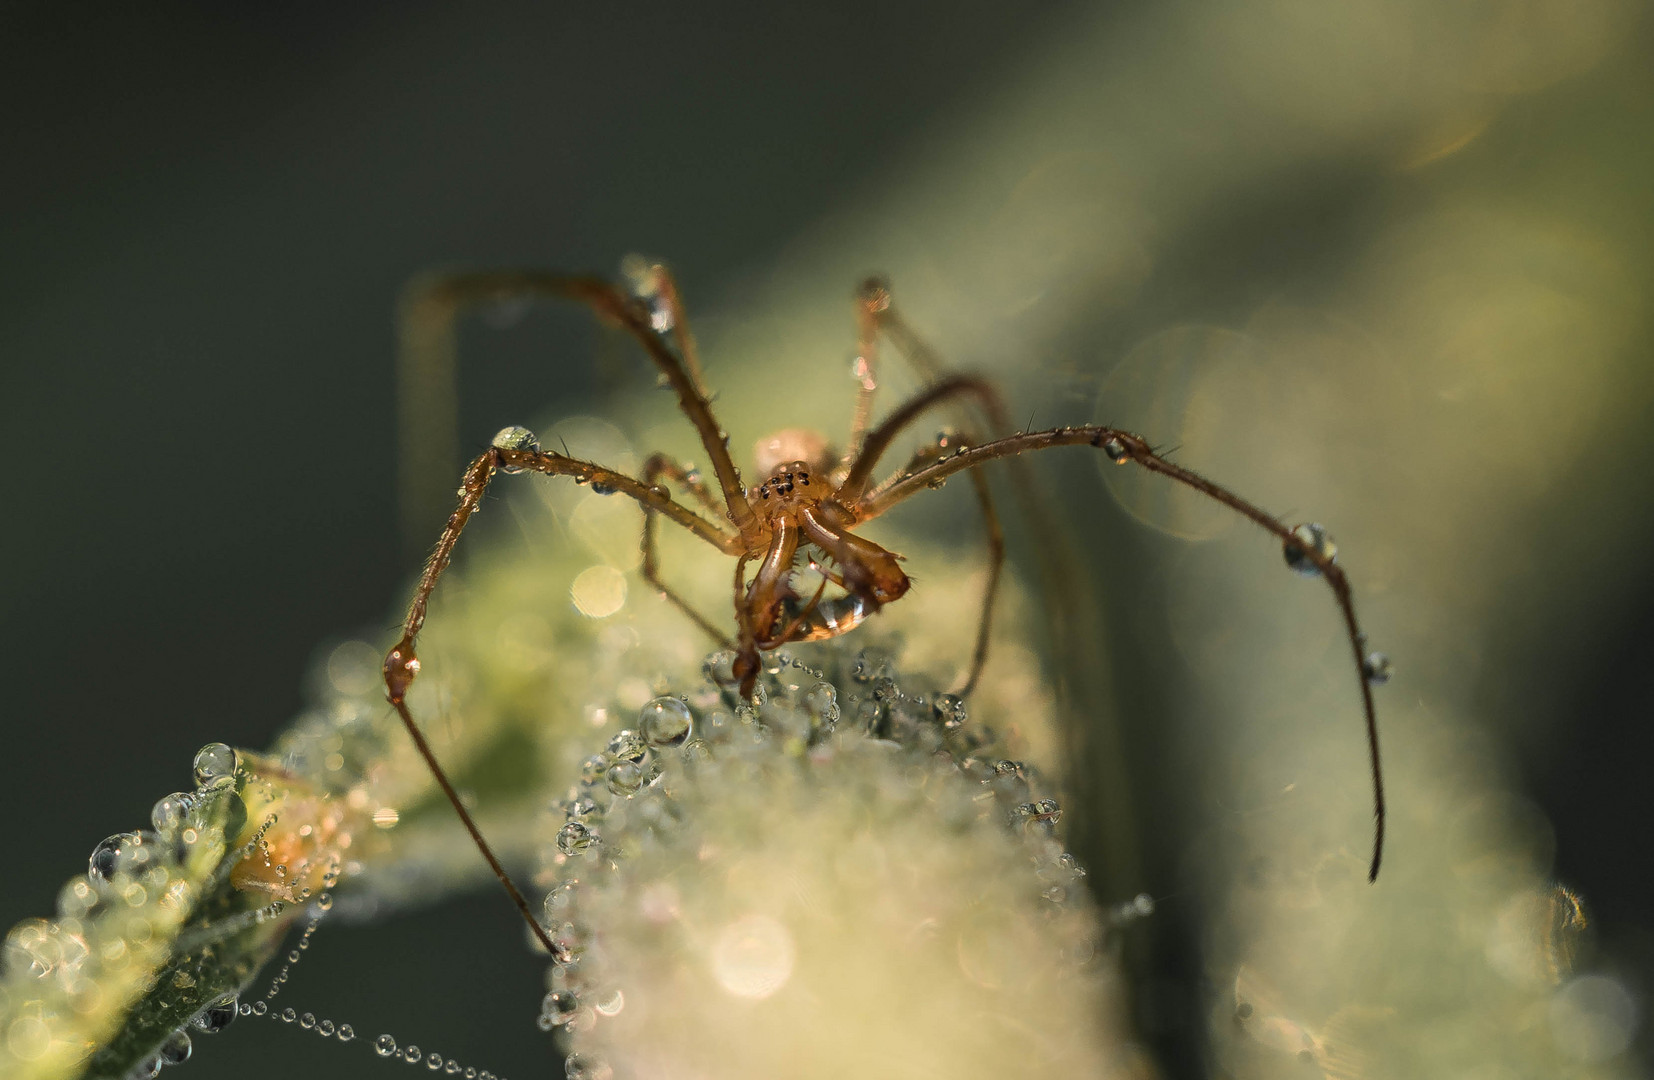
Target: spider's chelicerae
{"x": 809, "y": 502}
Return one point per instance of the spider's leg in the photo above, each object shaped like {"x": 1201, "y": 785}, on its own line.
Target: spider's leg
{"x": 746, "y": 650}
{"x": 995, "y": 537}
{"x": 402, "y": 663}
{"x": 872, "y": 298}
{"x": 852, "y": 494}
{"x": 657, "y": 466}
{"x": 429, "y": 311}
{"x": 852, "y": 491}
{"x": 1123, "y": 446}
{"x": 1064, "y": 578}
{"x": 655, "y": 281}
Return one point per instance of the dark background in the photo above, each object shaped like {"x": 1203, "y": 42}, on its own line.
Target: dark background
{"x": 206, "y": 216}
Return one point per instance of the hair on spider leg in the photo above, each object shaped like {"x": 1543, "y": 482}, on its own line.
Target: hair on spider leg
{"x": 813, "y": 500}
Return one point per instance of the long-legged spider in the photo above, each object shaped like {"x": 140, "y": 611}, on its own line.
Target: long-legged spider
{"x": 809, "y": 499}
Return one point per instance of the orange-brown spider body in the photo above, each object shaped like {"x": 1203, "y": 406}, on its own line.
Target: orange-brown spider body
{"x": 808, "y": 501}
{"x": 797, "y": 506}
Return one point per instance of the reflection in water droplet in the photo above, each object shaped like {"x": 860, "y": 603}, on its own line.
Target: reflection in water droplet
{"x": 753, "y": 957}
{"x": 217, "y": 1016}
{"x": 169, "y": 812}
{"x": 951, "y": 711}
{"x": 627, "y": 745}
{"x": 626, "y": 778}
{"x": 215, "y": 761}
{"x": 573, "y": 838}
{"x": 176, "y": 1049}
{"x": 384, "y": 1046}
{"x": 123, "y": 853}
{"x": 666, "y": 721}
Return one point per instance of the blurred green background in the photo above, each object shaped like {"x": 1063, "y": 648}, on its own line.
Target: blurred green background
{"x": 1381, "y": 264}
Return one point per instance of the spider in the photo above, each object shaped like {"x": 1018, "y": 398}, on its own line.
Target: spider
{"x": 809, "y": 500}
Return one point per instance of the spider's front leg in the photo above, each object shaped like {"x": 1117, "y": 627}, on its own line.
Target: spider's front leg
{"x": 514, "y": 451}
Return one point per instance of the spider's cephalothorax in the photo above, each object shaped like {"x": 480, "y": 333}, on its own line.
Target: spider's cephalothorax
{"x": 809, "y": 500}
{"x": 797, "y": 507}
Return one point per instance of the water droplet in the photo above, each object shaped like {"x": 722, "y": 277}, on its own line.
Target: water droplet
{"x": 217, "y": 1016}
{"x": 412, "y": 1054}
{"x": 1377, "y": 668}
{"x": 307, "y": 1021}
{"x": 600, "y": 488}
{"x": 1307, "y": 539}
{"x": 573, "y": 838}
{"x": 215, "y": 761}
{"x": 626, "y": 778}
{"x": 627, "y": 745}
{"x": 169, "y": 813}
{"x": 123, "y": 853}
{"x": 666, "y": 721}
{"x": 580, "y": 1067}
{"x": 176, "y": 1049}
{"x": 324, "y": 902}
{"x": 871, "y": 664}
{"x": 346, "y": 1033}
{"x": 951, "y": 712}
{"x": 260, "y": 1008}
{"x": 288, "y": 1016}
{"x": 515, "y": 438}
{"x": 593, "y": 768}
{"x": 719, "y": 668}
{"x": 582, "y": 809}
{"x": 1116, "y": 450}
{"x": 559, "y": 1006}
{"x": 148, "y": 1068}
{"x": 325, "y": 1029}
{"x": 433, "y": 1061}
{"x": 822, "y": 701}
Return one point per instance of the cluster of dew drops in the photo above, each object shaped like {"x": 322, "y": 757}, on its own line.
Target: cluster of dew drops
{"x": 130, "y": 871}
{"x": 796, "y": 707}
{"x": 135, "y": 883}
